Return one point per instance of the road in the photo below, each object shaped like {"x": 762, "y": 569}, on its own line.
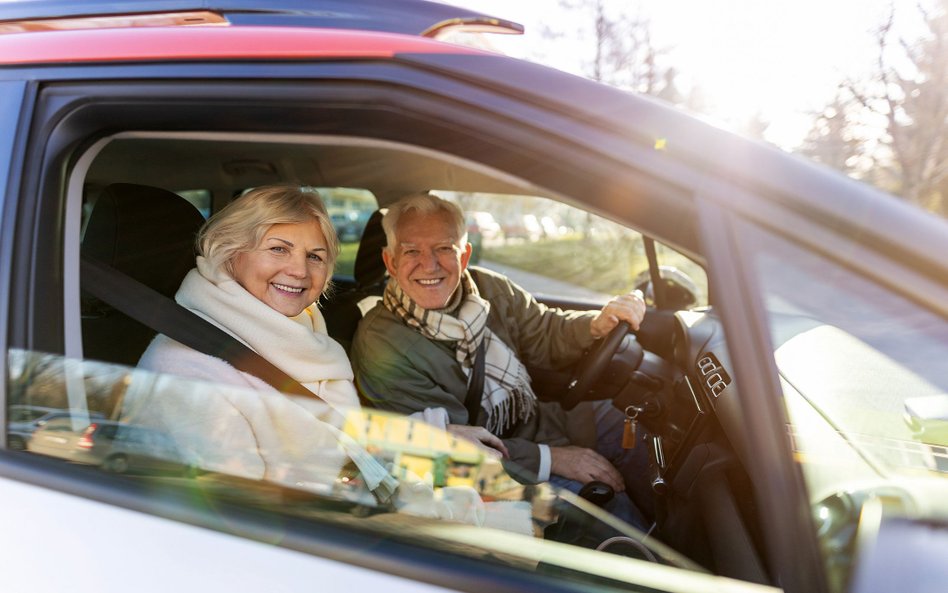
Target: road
{"x": 541, "y": 286}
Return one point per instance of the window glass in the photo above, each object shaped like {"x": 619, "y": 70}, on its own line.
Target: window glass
{"x": 686, "y": 284}
{"x": 865, "y": 384}
{"x": 349, "y": 209}
{"x": 200, "y": 198}
{"x": 248, "y": 444}
{"x": 554, "y": 249}
{"x": 244, "y": 443}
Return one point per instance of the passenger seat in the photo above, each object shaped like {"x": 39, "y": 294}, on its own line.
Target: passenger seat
{"x": 344, "y": 310}
{"x": 148, "y": 234}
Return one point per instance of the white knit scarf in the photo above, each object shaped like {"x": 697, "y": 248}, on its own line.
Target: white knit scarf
{"x": 299, "y": 346}
{"x": 508, "y": 396}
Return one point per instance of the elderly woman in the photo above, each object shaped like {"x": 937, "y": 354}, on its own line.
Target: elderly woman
{"x": 263, "y": 262}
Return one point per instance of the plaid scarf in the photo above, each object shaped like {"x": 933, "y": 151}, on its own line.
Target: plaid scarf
{"x": 508, "y": 397}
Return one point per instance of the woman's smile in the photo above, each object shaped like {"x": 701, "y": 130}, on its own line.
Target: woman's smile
{"x": 288, "y": 269}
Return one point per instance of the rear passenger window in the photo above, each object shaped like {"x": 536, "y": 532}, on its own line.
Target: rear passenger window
{"x": 199, "y": 198}
{"x": 350, "y": 209}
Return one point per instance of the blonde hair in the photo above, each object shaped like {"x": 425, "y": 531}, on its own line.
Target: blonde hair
{"x": 240, "y": 226}
{"x": 426, "y": 204}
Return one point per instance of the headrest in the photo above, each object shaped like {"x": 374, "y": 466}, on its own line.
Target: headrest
{"x": 369, "y": 268}
{"x": 145, "y": 232}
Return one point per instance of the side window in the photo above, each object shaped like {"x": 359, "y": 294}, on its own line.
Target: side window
{"x": 865, "y": 386}
{"x": 686, "y": 283}
{"x": 246, "y": 443}
{"x": 554, "y": 249}
{"x": 349, "y": 209}
{"x": 316, "y": 462}
{"x": 199, "y": 198}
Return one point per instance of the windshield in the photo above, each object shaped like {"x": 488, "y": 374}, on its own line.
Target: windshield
{"x": 862, "y": 367}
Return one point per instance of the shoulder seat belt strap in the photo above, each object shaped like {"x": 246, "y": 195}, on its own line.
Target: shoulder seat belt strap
{"x": 165, "y": 316}
{"x": 475, "y": 387}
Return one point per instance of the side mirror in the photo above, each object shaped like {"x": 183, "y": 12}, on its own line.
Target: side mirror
{"x": 680, "y": 290}
{"x": 899, "y": 554}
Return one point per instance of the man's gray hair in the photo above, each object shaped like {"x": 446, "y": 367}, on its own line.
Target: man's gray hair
{"x": 426, "y": 204}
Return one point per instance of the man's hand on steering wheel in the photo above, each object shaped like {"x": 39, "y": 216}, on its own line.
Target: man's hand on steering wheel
{"x": 628, "y": 307}
{"x": 616, "y": 318}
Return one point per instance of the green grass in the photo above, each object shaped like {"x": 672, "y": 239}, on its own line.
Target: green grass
{"x": 607, "y": 266}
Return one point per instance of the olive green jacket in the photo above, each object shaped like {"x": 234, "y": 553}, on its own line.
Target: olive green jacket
{"x": 399, "y": 369}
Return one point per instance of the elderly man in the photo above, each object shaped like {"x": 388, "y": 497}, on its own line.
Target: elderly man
{"x": 415, "y": 351}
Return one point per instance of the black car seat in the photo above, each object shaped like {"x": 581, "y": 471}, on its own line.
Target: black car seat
{"x": 345, "y": 309}
{"x": 148, "y": 234}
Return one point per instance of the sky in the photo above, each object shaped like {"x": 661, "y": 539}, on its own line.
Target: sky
{"x": 781, "y": 59}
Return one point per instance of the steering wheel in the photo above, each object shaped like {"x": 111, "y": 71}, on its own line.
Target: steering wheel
{"x": 596, "y": 362}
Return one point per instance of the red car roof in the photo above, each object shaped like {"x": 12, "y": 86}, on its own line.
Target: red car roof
{"x": 214, "y": 43}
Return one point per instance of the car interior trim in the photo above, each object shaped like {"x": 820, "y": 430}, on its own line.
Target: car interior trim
{"x": 88, "y": 107}
{"x": 72, "y": 317}
{"x": 788, "y": 531}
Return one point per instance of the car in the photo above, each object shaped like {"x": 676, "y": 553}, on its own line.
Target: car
{"x": 24, "y": 420}
{"x": 794, "y": 400}
{"x": 347, "y": 225}
{"x": 114, "y": 446}
{"x": 523, "y": 226}
{"x": 483, "y": 224}
{"x": 481, "y": 227}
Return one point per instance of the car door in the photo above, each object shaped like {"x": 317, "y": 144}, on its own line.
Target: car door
{"x": 485, "y": 120}
{"x": 851, "y": 329}
{"x": 80, "y": 114}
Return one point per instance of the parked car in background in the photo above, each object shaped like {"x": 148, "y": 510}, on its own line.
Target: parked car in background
{"x": 481, "y": 228}
{"x": 483, "y": 225}
{"x": 114, "y": 446}
{"x": 523, "y": 226}
{"x": 349, "y": 224}
{"x": 24, "y": 420}
{"x": 794, "y": 408}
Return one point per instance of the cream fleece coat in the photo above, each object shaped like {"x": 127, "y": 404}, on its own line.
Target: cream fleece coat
{"x": 252, "y": 430}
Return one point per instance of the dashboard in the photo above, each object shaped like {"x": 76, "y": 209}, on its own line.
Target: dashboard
{"x": 705, "y": 496}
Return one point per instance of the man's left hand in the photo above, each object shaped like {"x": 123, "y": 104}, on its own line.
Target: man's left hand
{"x": 481, "y": 438}
{"x": 628, "y": 307}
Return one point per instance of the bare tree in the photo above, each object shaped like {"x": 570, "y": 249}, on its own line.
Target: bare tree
{"x": 910, "y": 94}
{"x": 833, "y": 138}
{"x": 622, "y": 51}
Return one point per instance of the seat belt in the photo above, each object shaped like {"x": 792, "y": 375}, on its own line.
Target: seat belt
{"x": 475, "y": 389}
{"x": 156, "y": 311}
